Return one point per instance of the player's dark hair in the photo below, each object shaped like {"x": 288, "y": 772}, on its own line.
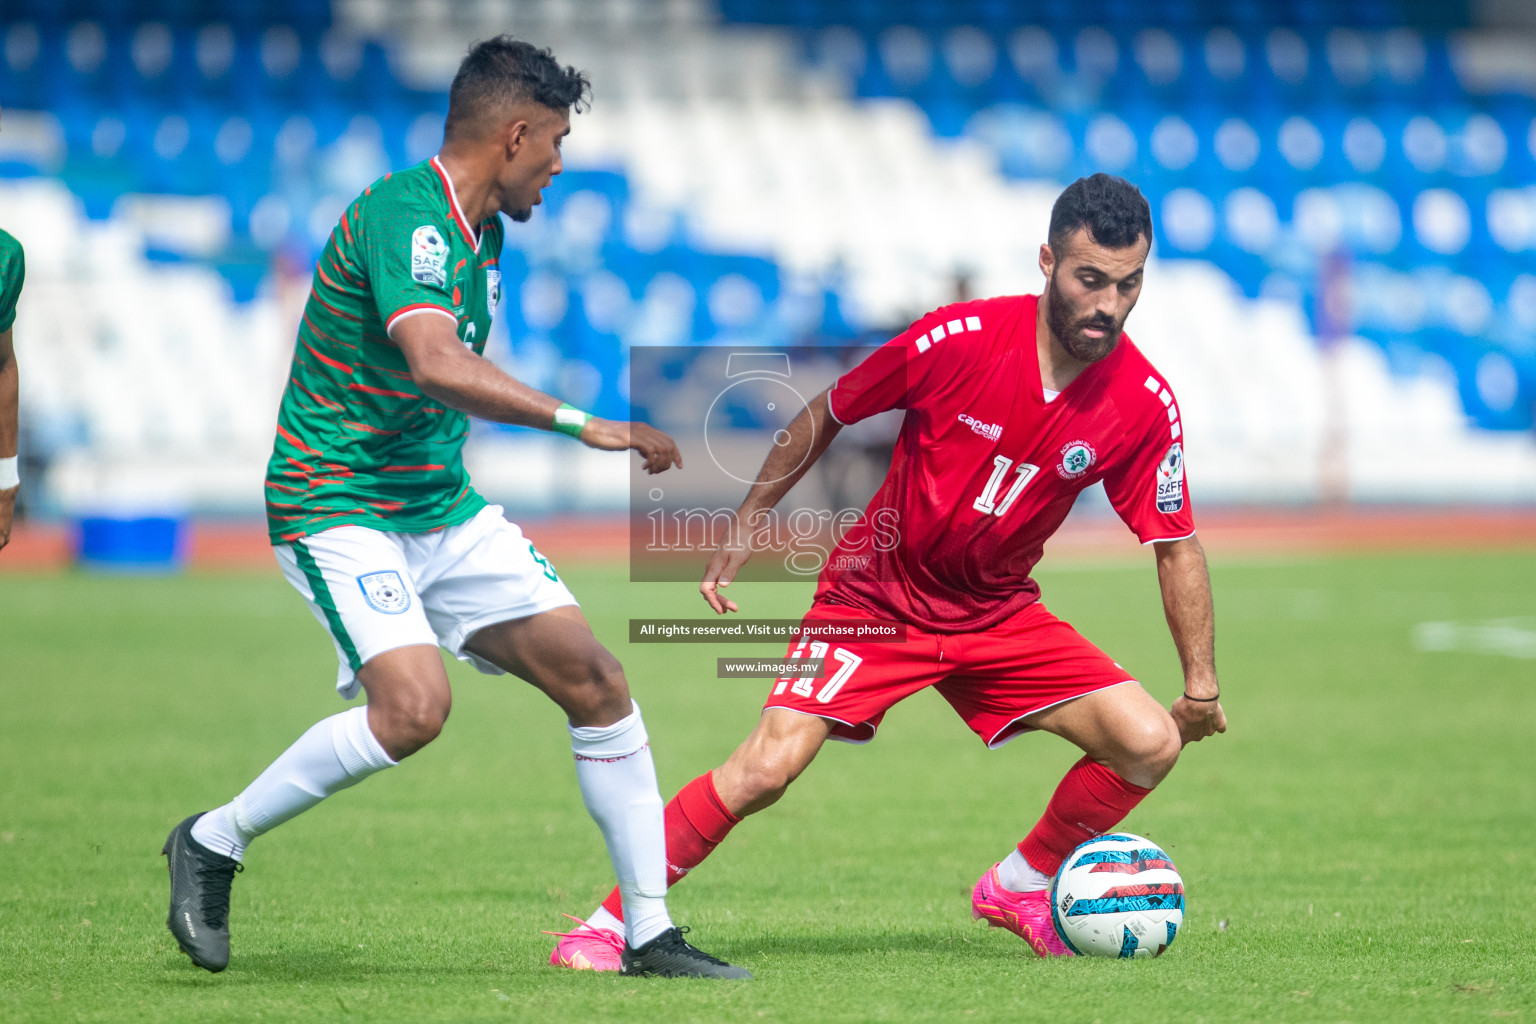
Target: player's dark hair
{"x": 504, "y": 69}
{"x": 1112, "y": 209}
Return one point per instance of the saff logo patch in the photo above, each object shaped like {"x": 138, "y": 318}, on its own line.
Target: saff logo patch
{"x": 1076, "y": 459}
{"x": 385, "y": 592}
{"x": 429, "y": 256}
{"x": 1170, "y": 480}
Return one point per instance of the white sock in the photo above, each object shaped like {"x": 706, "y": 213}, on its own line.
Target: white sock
{"x": 618, "y": 785}
{"x": 600, "y": 918}
{"x": 335, "y": 753}
{"x": 1017, "y": 875}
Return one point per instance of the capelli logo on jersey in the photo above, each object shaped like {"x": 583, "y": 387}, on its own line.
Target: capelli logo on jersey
{"x": 990, "y": 431}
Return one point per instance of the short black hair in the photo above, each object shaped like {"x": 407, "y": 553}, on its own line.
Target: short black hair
{"x": 1112, "y": 209}
{"x": 501, "y": 69}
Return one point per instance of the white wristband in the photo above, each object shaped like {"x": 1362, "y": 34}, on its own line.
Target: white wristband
{"x": 8, "y": 475}
{"x": 570, "y": 420}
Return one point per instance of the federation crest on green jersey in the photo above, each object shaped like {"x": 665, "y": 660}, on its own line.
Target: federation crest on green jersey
{"x": 492, "y": 288}
{"x": 385, "y": 592}
{"x": 429, "y": 256}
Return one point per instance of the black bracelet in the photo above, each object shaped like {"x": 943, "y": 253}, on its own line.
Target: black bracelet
{"x": 1202, "y": 700}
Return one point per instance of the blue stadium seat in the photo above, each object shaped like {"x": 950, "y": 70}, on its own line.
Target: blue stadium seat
{"x": 1190, "y": 99}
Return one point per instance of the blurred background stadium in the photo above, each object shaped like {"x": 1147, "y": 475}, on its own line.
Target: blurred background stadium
{"x": 1342, "y": 288}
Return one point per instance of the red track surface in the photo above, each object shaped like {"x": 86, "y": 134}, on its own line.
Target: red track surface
{"x": 1224, "y": 532}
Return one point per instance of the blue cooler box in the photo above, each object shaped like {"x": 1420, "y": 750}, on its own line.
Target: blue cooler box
{"x": 155, "y": 543}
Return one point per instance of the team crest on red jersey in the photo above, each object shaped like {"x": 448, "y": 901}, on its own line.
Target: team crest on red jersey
{"x": 1076, "y": 459}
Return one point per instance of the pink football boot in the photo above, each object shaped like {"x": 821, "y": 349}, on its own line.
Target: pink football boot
{"x": 586, "y": 948}
{"x": 1026, "y": 914}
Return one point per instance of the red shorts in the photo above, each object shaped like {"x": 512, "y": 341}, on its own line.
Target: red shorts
{"x": 994, "y": 678}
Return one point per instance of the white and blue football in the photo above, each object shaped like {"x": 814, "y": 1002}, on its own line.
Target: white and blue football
{"x": 1118, "y": 895}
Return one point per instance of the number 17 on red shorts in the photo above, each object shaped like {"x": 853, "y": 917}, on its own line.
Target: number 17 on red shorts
{"x": 994, "y": 678}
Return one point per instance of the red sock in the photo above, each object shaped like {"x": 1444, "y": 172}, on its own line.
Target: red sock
{"x": 696, "y": 821}
{"x": 1090, "y": 801}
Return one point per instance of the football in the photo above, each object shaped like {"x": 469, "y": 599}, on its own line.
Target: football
{"x": 1118, "y": 895}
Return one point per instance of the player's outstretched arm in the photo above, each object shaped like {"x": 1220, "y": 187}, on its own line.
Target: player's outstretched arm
{"x": 1186, "y": 585}
{"x": 444, "y": 368}
{"x": 9, "y": 389}
{"x": 809, "y": 435}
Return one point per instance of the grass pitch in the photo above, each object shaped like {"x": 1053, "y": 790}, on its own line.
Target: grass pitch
{"x": 1357, "y": 848}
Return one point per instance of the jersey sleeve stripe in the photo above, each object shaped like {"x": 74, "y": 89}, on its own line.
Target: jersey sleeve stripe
{"x": 343, "y": 273}
{"x": 341, "y": 257}
{"x": 327, "y": 278}
{"x": 409, "y": 469}
{"x": 412, "y": 310}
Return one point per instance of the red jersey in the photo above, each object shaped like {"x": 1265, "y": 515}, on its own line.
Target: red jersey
{"x": 986, "y": 469}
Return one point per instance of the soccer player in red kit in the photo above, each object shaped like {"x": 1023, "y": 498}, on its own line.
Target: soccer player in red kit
{"x": 1013, "y": 406}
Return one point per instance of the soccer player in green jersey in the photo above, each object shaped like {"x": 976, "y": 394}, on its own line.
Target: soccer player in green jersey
{"x": 13, "y": 269}
{"x": 375, "y": 523}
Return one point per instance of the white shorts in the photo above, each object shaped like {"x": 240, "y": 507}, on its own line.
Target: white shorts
{"x": 375, "y": 590}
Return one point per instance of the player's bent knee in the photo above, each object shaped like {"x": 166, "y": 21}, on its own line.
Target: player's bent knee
{"x": 1148, "y": 750}
{"x": 609, "y": 685}
{"x": 404, "y": 727}
{"x": 754, "y": 778}
{"x": 1167, "y": 754}
{"x": 597, "y": 694}
{"x": 767, "y": 773}
{"x": 762, "y": 783}
{"x": 608, "y": 675}
{"x": 1158, "y": 747}
{"x": 759, "y": 771}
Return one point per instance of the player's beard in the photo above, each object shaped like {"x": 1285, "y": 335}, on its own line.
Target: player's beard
{"x": 522, "y": 216}
{"x": 1068, "y": 328}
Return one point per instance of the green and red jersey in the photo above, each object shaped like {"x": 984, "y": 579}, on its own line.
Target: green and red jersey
{"x": 357, "y": 441}
{"x": 13, "y": 269}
